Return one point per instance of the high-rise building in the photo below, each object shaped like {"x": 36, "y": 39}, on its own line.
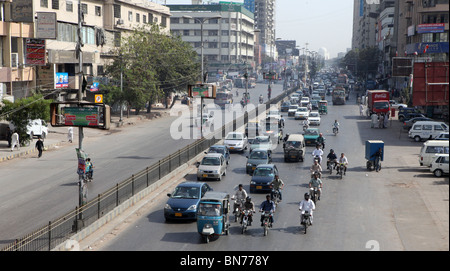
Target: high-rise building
{"x": 364, "y": 19}
{"x": 265, "y": 22}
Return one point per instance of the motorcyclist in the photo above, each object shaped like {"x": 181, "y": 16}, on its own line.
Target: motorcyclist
{"x": 250, "y": 206}
{"x": 267, "y": 206}
{"x": 336, "y": 125}
{"x": 89, "y": 169}
{"x": 316, "y": 182}
{"x": 307, "y": 205}
{"x": 277, "y": 184}
{"x": 332, "y": 158}
{"x": 240, "y": 197}
{"x": 343, "y": 160}
{"x": 305, "y": 124}
{"x": 318, "y": 152}
{"x": 316, "y": 168}
{"x": 321, "y": 140}
{"x": 261, "y": 98}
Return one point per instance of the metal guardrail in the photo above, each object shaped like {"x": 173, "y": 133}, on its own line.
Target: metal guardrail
{"x": 61, "y": 229}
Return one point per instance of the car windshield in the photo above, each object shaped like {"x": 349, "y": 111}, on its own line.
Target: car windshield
{"x": 263, "y": 171}
{"x": 313, "y": 114}
{"x": 302, "y": 109}
{"x": 211, "y": 161}
{"x": 293, "y": 107}
{"x": 207, "y": 209}
{"x": 258, "y": 155}
{"x": 186, "y": 192}
{"x": 234, "y": 137}
{"x": 293, "y": 144}
{"x": 261, "y": 140}
{"x": 311, "y": 132}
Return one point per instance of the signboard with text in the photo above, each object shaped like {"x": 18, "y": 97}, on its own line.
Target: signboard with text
{"x": 35, "y": 52}
{"x": 81, "y": 116}
{"x": 202, "y": 91}
{"x": 61, "y": 80}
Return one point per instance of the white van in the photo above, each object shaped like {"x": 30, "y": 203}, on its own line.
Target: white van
{"x": 439, "y": 166}
{"x": 427, "y": 130}
{"x": 430, "y": 149}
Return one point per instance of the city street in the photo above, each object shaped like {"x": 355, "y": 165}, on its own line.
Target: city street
{"x": 402, "y": 207}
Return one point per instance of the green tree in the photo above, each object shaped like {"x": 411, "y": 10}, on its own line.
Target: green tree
{"x": 22, "y": 110}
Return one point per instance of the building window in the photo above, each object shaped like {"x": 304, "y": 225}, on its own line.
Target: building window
{"x": 84, "y": 9}
{"x": 55, "y": 4}
{"x": 44, "y": 3}
{"x": 212, "y": 33}
{"x": 197, "y": 44}
{"x": 185, "y": 32}
{"x": 117, "y": 38}
{"x": 224, "y": 45}
{"x": 144, "y": 19}
{"x": 164, "y": 21}
{"x": 69, "y": 6}
{"x": 213, "y": 21}
{"x": 224, "y": 58}
{"x": 117, "y": 11}
{"x": 224, "y": 32}
{"x": 174, "y": 20}
{"x": 130, "y": 16}
{"x": 150, "y": 18}
{"x": 197, "y": 32}
{"x": 186, "y": 21}
{"x": 98, "y": 10}
{"x": 212, "y": 44}
{"x": 138, "y": 19}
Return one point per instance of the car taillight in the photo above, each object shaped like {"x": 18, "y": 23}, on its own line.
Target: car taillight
{"x": 421, "y": 158}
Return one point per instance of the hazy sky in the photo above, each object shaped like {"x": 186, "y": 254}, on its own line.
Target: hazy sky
{"x": 320, "y": 23}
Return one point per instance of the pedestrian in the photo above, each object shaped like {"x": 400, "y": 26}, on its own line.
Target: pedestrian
{"x": 8, "y": 136}
{"x": 361, "y": 109}
{"x": 374, "y": 120}
{"x": 381, "y": 121}
{"x": 386, "y": 120}
{"x": 70, "y": 134}
{"x": 39, "y": 146}
{"x": 15, "y": 141}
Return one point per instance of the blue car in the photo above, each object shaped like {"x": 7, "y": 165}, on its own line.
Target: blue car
{"x": 183, "y": 202}
{"x": 263, "y": 175}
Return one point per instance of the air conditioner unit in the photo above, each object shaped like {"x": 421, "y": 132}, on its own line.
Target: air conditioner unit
{"x": 14, "y": 60}
{"x": 120, "y": 21}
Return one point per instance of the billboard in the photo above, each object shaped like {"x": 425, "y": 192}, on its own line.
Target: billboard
{"x": 81, "y": 116}
{"x": 61, "y": 80}
{"x": 202, "y": 91}
{"x": 35, "y": 52}
{"x": 46, "y": 26}
{"x": 430, "y": 28}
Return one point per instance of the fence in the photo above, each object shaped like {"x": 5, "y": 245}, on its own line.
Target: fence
{"x": 61, "y": 229}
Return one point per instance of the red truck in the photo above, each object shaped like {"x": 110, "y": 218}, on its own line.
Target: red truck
{"x": 377, "y": 101}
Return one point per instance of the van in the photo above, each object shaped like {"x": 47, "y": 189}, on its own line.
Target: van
{"x": 439, "y": 166}
{"x": 430, "y": 149}
{"x": 426, "y": 130}
{"x": 294, "y": 148}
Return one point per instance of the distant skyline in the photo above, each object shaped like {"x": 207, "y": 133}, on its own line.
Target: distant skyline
{"x": 320, "y": 23}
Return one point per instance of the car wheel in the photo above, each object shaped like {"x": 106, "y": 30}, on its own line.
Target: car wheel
{"x": 417, "y": 138}
{"x": 438, "y": 173}
{"x": 401, "y": 118}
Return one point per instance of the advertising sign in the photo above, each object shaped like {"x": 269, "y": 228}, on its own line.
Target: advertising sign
{"x": 62, "y": 80}
{"x": 430, "y": 28}
{"x": 35, "y": 52}
{"x": 46, "y": 26}
{"x": 202, "y": 91}
{"x": 81, "y": 116}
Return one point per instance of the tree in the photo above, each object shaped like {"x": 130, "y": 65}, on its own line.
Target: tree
{"x": 21, "y": 111}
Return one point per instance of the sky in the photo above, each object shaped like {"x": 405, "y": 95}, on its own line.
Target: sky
{"x": 320, "y": 23}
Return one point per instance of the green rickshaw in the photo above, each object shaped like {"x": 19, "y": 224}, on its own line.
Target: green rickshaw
{"x": 323, "y": 107}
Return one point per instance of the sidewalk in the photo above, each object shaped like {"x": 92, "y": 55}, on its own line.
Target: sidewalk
{"x": 57, "y": 137}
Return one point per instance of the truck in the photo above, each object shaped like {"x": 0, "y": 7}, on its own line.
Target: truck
{"x": 338, "y": 96}
{"x": 377, "y": 102}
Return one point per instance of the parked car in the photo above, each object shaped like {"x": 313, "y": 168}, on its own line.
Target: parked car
{"x": 236, "y": 141}
{"x": 442, "y": 136}
{"x": 285, "y": 106}
{"x": 429, "y": 150}
{"x": 409, "y": 123}
{"x": 396, "y": 105}
{"x": 256, "y": 157}
{"x": 220, "y": 149}
{"x": 311, "y": 135}
{"x": 301, "y": 113}
{"x": 35, "y": 128}
{"x": 408, "y": 116}
{"x": 212, "y": 166}
{"x": 439, "y": 166}
{"x": 314, "y": 118}
{"x": 427, "y": 130}
{"x": 183, "y": 201}
{"x": 405, "y": 110}
{"x": 263, "y": 175}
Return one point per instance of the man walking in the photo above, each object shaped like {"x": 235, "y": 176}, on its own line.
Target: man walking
{"x": 39, "y": 146}
{"x": 15, "y": 141}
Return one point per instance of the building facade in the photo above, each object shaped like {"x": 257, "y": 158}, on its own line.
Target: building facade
{"x": 265, "y": 22}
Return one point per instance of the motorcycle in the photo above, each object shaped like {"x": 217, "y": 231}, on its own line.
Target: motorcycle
{"x": 266, "y": 222}
{"x": 316, "y": 172}
{"x": 305, "y": 220}
{"x": 89, "y": 177}
{"x": 317, "y": 158}
{"x": 335, "y": 130}
{"x": 276, "y": 196}
{"x": 340, "y": 169}
{"x": 305, "y": 127}
{"x": 237, "y": 209}
{"x": 246, "y": 215}
{"x": 330, "y": 166}
{"x": 314, "y": 193}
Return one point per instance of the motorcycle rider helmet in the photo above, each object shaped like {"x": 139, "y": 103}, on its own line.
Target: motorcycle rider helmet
{"x": 248, "y": 199}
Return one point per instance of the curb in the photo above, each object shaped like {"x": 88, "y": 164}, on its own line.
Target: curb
{"x": 24, "y": 153}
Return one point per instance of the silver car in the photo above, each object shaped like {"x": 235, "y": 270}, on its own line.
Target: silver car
{"x": 236, "y": 141}
{"x": 212, "y": 166}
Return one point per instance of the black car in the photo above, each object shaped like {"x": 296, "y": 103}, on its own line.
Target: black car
{"x": 263, "y": 175}
{"x": 285, "y": 107}
{"x": 409, "y": 123}
{"x": 404, "y": 111}
{"x": 408, "y": 116}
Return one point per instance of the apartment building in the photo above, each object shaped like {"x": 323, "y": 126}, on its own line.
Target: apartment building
{"x": 364, "y": 20}
{"x": 265, "y": 22}
{"x": 52, "y": 27}
{"x": 228, "y": 39}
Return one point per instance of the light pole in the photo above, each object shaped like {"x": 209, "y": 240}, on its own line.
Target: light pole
{"x": 202, "y": 21}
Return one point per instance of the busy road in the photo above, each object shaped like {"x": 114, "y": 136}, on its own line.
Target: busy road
{"x": 363, "y": 211}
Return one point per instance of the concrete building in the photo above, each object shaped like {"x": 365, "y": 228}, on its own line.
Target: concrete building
{"x": 228, "y": 42}
{"x": 265, "y": 22}
{"x": 364, "y": 19}
{"x": 55, "y": 23}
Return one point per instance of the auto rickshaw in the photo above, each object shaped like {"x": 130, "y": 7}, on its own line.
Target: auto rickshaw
{"x": 372, "y": 146}
{"x": 212, "y": 215}
{"x": 323, "y": 107}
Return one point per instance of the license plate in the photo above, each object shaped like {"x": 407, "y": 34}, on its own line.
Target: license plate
{"x": 259, "y": 187}
{"x": 205, "y": 175}
{"x": 253, "y": 168}
{"x": 178, "y": 214}
{"x": 293, "y": 156}
{"x": 231, "y": 148}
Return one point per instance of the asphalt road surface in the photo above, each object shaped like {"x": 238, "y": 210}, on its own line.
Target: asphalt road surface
{"x": 387, "y": 210}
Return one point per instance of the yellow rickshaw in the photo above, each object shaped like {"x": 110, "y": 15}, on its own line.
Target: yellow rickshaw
{"x": 323, "y": 107}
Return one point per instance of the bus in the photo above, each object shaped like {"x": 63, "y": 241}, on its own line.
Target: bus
{"x": 223, "y": 98}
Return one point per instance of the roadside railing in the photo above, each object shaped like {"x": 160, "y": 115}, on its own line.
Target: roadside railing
{"x": 61, "y": 229}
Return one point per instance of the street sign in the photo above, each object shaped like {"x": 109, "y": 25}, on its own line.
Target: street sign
{"x": 202, "y": 91}
{"x": 99, "y": 98}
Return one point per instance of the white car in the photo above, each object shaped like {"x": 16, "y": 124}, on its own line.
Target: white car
{"x": 442, "y": 136}
{"x": 396, "y": 105}
{"x": 236, "y": 141}
{"x": 305, "y": 99}
{"x": 439, "y": 166}
{"x": 314, "y": 118}
{"x": 302, "y": 113}
{"x": 292, "y": 109}
{"x": 36, "y": 127}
